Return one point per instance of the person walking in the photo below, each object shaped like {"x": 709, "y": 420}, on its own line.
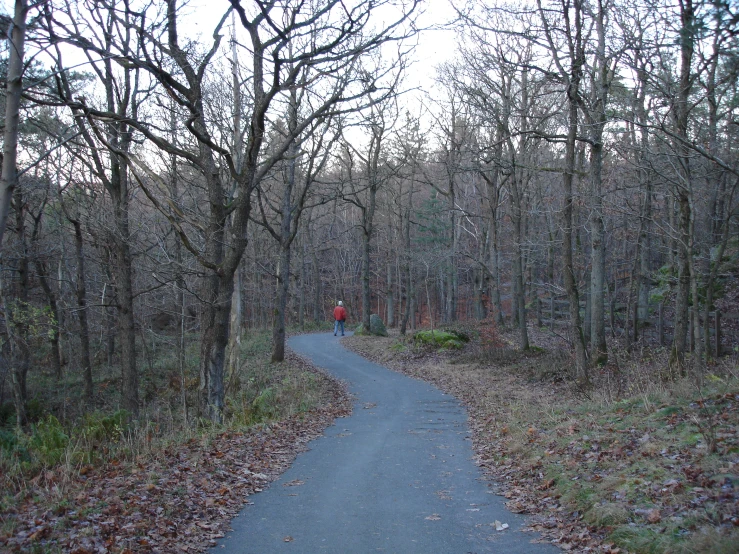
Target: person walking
{"x": 339, "y": 318}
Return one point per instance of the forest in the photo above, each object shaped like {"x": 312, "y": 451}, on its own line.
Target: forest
{"x": 178, "y": 178}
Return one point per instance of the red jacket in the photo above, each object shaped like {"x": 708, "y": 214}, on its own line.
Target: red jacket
{"x": 339, "y": 313}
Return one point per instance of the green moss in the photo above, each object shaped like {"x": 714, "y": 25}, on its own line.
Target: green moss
{"x": 439, "y": 339}
{"x": 398, "y": 347}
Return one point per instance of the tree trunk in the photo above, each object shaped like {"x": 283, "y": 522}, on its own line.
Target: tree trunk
{"x": 517, "y": 218}
{"x": 235, "y": 328}
{"x": 283, "y": 286}
{"x": 218, "y": 292}
{"x": 406, "y": 264}
{"x": 51, "y": 296}
{"x": 19, "y": 357}
{"x": 493, "y": 188}
{"x": 645, "y": 235}
{"x": 699, "y": 364}
{"x": 495, "y": 270}
{"x": 286, "y": 236}
{"x": 301, "y": 288}
{"x": 684, "y": 187}
{"x": 581, "y": 365}
{"x": 366, "y": 291}
{"x": 519, "y": 292}
{"x": 598, "y": 260}
{"x": 81, "y": 292}
{"x": 233, "y": 355}
{"x": 316, "y": 268}
{"x": 124, "y": 290}
{"x": 14, "y": 89}
{"x": 390, "y": 298}
{"x": 597, "y": 124}
{"x": 17, "y": 316}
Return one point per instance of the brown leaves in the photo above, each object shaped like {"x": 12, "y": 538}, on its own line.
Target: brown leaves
{"x": 516, "y": 507}
{"x": 181, "y": 501}
{"x": 654, "y": 516}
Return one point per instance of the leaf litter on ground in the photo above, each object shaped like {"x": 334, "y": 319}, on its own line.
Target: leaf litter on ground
{"x": 630, "y": 471}
{"x": 182, "y": 500}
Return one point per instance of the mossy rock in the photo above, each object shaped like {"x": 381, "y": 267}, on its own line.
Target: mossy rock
{"x": 377, "y": 327}
{"x": 461, "y": 335}
{"x": 439, "y": 339}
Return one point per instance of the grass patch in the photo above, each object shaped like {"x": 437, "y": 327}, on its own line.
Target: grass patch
{"x": 640, "y": 469}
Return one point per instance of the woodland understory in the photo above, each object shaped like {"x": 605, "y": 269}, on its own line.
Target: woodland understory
{"x": 183, "y": 182}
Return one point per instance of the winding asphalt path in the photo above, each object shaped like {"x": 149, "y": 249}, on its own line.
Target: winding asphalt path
{"x": 397, "y": 476}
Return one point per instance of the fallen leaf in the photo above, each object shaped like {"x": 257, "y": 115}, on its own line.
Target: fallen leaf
{"x": 516, "y": 507}
{"x": 294, "y": 483}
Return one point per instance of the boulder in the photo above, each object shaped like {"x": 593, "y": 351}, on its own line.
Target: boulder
{"x": 377, "y": 326}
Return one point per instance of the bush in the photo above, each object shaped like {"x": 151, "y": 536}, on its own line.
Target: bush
{"x": 35, "y": 410}
{"x": 49, "y": 441}
{"x": 98, "y": 428}
{"x": 12, "y": 447}
{"x": 264, "y": 406}
{"x": 7, "y": 415}
{"x": 490, "y": 335}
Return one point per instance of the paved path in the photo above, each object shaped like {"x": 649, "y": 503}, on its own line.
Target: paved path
{"x": 396, "y": 476}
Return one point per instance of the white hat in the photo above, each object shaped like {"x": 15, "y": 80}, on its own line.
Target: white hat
{"x": 341, "y": 303}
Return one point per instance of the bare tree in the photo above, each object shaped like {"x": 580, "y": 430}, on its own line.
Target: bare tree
{"x": 16, "y": 33}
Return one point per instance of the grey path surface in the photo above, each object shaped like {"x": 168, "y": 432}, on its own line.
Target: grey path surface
{"x": 397, "y": 476}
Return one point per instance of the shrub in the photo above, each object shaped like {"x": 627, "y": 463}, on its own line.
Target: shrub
{"x": 49, "y": 441}
{"x": 98, "y": 428}
{"x": 490, "y": 335}
{"x": 11, "y": 446}
{"x": 7, "y": 414}
{"x": 264, "y": 406}
{"x": 35, "y": 410}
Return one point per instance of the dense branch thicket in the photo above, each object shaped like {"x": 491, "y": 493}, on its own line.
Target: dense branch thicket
{"x": 181, "y": 189}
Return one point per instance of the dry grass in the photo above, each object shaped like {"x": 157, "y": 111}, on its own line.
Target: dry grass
{"x": 635, "y": 464}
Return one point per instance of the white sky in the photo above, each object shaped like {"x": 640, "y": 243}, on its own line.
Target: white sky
{"x": 435, "y": 45}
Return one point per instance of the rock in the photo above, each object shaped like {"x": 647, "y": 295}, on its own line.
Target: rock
{"x": 377, "y": 326}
